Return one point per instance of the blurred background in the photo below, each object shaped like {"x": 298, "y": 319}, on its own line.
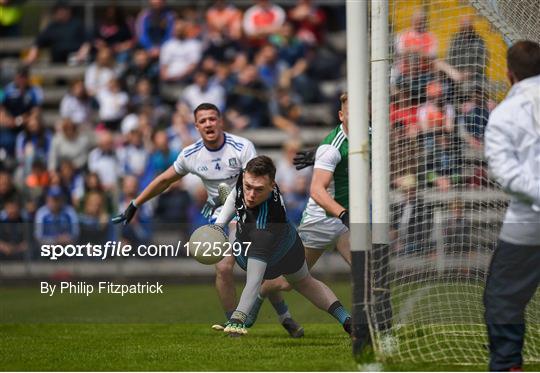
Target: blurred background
{"x": 97, "y": 99}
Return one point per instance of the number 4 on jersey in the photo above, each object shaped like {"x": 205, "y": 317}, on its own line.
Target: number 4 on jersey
{"x": 218, "y": 167}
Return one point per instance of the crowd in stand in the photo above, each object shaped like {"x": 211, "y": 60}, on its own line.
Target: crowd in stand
{"x": 438, "y": 114}
{"x": 439, "y": 107}
{"x": 118, "y": 129}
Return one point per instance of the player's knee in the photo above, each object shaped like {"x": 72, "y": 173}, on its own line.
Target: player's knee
{"x": 284, "y": 285}
{"x": 224, "y": 268}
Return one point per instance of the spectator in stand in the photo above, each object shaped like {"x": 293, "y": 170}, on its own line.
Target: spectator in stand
{"x": 8, "y": 191}
{"x": 403, "y": 112}
{"x": 10, "y": 18}
{"x": 138, "y": 231}
{"x": 18, "y": 101}
{"x": 467, "y": 52}
{"x": 473, "y": 118}
{"x": 100, "y": 73}
{"x": 417, "y": 39}
{"x": 224, "y": 23}
{"x": 154, "y": 27}
{"x": 179, "y": 55}
{"x": 113, "y": 32}
{"x": 141, "y": 67}
{"x": 92, "y": 184}
{"x": 70, "y": 143}
{"x": 202, "y": 91}
{"x": 34, "y": 142}
{"x": 94, "y": 221}
{"x": 37, "y": 179}
{"x": 76, "y": 105}
{"x": 436, "y": 125}
{"x": 65, "y": 36}
{"x": 181, "y": 132}
{"x": 415, "y": 50}
{"x": 143, "y": 96}
{"x": 56, "y": 222}
{"x": 309, "y": 21}
{"x": 14, "y": 229}
{"x": 132, "y": 155}
{"x": 262, "y": 20}
{"x": 435, "y": 114}
{"x": 292, "y": 53}
{"x": 247, "y": 103}
{"x": 268, "y": 66}
{"x": 286, "y": 113}
{"x": 105, "y": 163}
{"x": 162, "y": 155}
{"x": 113, "y": 104}
{"x": 71, "y": 182}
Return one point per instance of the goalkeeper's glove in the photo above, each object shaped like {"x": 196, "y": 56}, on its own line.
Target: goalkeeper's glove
{"x": 210, "y": 206}
{"x": 344, "y": 217}
{"x": 126, "y": 216}
{"x": 304, "y": 158}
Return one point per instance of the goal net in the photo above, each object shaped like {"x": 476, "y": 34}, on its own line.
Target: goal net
{"x": 447, "y": 73}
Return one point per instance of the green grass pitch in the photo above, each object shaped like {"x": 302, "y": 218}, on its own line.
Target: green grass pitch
{"x": 168, "y": 332}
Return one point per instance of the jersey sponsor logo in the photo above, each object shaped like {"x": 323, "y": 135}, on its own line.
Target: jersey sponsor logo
{"x": 233, "y": 162}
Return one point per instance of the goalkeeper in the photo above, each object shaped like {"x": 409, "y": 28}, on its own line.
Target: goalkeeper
{"x": 276, "y": 247}
{"x": 512, "y": 148}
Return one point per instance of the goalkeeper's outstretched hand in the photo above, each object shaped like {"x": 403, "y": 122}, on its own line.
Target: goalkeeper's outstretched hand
{"x": 210, "y": 206}
{"x": 126, "y": 216}
{"x": 235, "y": 328}
{"x": 304, "y": 158}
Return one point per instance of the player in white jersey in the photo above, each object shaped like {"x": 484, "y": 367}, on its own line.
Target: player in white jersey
{"x": 218, "y": 157}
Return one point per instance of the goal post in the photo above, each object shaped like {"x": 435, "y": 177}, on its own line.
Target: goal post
{"x": 360, "y": 238}
{"x": 437, "y": 70}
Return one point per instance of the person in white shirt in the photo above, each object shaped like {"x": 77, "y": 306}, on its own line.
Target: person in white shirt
{"x": 218, "y": 157}
{"x": 98, "y": 74}
{"x": 113, "y": 104}
{"x": 179, "y": 56}
{"x": 512, "y": 149}
{"x": 104, "y": 162}
{"x": 203, "y": 91}
{"x": 76, "y": 104}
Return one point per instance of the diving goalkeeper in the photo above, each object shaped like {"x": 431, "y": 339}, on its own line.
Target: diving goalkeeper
{"x": 276, "y": 248}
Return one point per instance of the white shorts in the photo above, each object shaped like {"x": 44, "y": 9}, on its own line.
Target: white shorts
{"x": 321, "y": 233}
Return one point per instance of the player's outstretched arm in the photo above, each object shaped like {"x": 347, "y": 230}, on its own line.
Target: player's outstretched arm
{"x": 319, "y": 183}
{"x": 156, "y": 187}
{"x": 228, "y": 210}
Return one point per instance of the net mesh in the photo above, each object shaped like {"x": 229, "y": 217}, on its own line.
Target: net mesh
{"x": 448, "y": 72}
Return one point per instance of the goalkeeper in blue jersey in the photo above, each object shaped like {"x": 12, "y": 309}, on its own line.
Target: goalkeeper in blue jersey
{"x": 275, "y": 249}
{"x": 512, "y": 148}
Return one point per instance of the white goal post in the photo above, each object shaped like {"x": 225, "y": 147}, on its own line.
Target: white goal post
{"x": 437, "y": 70}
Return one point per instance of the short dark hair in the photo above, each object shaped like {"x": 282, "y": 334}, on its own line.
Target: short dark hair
{"x": 523, "y": 59}
{"x": 261, "y": 166}
{"x": 206, "y": 106}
